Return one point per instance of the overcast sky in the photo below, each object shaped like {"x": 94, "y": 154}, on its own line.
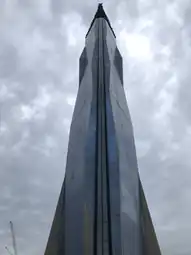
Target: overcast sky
{"x": 40, "y": 44}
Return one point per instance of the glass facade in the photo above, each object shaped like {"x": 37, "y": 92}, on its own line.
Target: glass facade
{"x": 102, "y": 209}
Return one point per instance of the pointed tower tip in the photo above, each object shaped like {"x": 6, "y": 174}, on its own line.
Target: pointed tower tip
{"x": 100, "y": 14}
{"x": 100, "y": 7}
{"x": 100, "y": 11}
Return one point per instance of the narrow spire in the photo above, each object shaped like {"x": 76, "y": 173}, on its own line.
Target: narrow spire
{"x": 100, "y": 14}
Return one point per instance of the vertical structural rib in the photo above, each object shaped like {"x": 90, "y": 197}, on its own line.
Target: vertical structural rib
{"x": 103, "y": 236}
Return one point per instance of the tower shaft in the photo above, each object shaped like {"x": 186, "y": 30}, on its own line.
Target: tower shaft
{"x": 102, "y": 209}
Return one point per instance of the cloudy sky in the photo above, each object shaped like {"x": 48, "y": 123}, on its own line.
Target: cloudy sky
{"x": 40, "y": 44}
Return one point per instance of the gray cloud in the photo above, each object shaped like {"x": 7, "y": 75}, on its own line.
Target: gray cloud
{"x": 40, "y": 43}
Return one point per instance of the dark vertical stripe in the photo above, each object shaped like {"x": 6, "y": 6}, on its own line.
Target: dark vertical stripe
{"x": 99, "y": 169}
{"x": 96, "y": 169}
{"x": 104, "y": 154}
{"x": 106, "y": 148}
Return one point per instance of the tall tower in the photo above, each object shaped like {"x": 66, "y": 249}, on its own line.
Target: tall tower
{"x": 101, "y": 209}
